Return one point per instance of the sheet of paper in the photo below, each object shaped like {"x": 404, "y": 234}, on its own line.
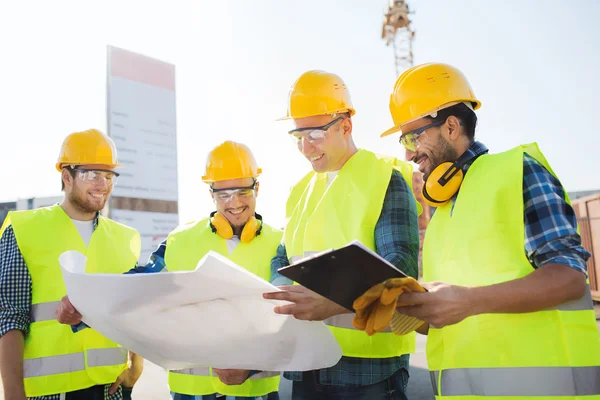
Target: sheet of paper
{"x": 213, "y": 316}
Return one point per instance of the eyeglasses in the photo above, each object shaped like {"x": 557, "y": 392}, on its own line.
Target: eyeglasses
{"x": 410, "y": 140}
{"x": 313, "y": 134}
{"x": 97, "y": 175}
{"x": 227, "y": 194}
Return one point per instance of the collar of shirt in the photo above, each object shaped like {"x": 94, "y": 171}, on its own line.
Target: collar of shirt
{"x": 474, "y": 151}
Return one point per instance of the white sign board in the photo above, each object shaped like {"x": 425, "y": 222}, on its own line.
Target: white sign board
{"x": 141, "y": 121}
{"x": 153, "y": 227}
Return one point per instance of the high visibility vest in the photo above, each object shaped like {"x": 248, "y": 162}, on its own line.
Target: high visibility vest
{"x": 548, "y": 354}
{"x": 185, "y": 247}
{"x": 321, "y": 218}
{"x": 56, "y": 360}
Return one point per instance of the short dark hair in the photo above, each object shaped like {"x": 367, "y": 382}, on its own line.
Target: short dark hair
{"x": 464, "y": 114}
{"x": 62, "y": 183}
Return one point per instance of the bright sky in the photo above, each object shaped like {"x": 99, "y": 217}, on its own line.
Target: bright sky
{"x": 533, "y": 64}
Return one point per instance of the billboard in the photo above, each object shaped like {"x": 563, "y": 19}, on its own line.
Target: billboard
{"x": 142, "y": 122}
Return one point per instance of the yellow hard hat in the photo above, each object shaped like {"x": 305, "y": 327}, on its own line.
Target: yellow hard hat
{"x": 318, "y": 93}
{"x": 425, "y": 89}
{"x": 230, "y": 160}
{"x": 87, "y": 147}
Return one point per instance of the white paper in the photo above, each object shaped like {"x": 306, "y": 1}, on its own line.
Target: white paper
{"x": 214, "y": 316}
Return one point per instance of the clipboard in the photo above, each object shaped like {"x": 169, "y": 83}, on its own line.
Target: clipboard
{"x": 342, "y": 275}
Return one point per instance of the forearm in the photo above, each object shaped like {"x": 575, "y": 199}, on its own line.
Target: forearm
{"x": 11, "y": 364}
{"x": 546, "y": 287}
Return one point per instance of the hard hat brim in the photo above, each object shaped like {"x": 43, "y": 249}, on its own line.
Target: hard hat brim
{"x": 391, "y": 131}
{"x": 61, "y": 165}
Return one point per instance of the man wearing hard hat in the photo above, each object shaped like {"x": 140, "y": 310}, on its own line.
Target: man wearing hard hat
{"x": 39, "y": 357}
{"x": 350, "y": 194}
{"x": 237, "y": 232}
{"x": 509, "y": 310}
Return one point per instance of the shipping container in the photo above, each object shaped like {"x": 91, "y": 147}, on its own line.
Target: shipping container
{"x": 587, "y": 210}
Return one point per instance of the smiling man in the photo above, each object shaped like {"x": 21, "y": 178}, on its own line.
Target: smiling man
{"x": 235, "y": 231}
{"x": 40, "y": 358}
{"x": 509, "y": 310}
{"x": 350, "y": 194}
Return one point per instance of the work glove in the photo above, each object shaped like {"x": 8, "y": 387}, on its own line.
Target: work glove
{"x": 376, "y": 308}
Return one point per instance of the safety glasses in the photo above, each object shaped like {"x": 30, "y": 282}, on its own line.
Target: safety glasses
{"x": 410, "y": 140}
{"x": 227, "y": 194}
{"x": 313, "y": 134}
{"x": 97, "y": 176}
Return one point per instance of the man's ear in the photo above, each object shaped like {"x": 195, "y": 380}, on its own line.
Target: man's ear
{"x": 453, "y": 124}
{"x": 347, "y": 126}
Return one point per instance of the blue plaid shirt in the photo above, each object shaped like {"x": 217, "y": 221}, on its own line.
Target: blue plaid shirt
{"x": 15, "y": 296}
{"x": 397, "y": 241}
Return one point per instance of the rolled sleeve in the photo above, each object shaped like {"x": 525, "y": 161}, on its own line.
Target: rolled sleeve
{"x": 15, "y": 286}
{"x": 156, "y": 262}
{"x": 551, "y": 235}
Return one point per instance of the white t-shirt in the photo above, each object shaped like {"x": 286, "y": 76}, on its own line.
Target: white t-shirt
{"x": 232, "y": 243}
{"x": 85, "y": 229}
{"x": 331, "y": 176}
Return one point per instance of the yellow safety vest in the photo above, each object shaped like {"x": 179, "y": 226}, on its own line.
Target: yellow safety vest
{"x": 321, "y": 218}
{"x": 548, "y": 354}
{"x": 56, "y": 360}
{"x": 185, "y": 247}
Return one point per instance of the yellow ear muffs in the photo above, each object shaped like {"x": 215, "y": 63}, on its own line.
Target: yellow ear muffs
{"x": 443, "y": 183}
{"x": 222, "y": 227}
{"x": 250, "y": 230}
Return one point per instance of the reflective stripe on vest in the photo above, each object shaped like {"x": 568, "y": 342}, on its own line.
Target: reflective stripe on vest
{"x": 73, "y": 362}
{"x": 306, "y": 254}
{"x": 193, "y": 371}
{"x": 345, "y": 321}
{"x": 44, "y": 311}
{"x": 206, "y": 372}
{"x": 583, "y": 303}
{"x": 524, "y": 381}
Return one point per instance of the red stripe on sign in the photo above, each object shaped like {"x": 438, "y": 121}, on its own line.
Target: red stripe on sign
{"x": 139, "y": 68}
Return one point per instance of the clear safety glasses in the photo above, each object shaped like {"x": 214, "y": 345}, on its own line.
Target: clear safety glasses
{"x": 227, "y": 194}
{"x": 314, "y": 134}
{"x": 97, "y": 176}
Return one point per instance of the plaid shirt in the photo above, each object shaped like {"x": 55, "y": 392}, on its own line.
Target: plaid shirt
{"x": 15, "y": 296}
{"x": 397, "y": 241}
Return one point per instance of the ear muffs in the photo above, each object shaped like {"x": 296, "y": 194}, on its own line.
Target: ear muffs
{"x": 443, "y": 183}
{"x": 445, "y": 180}
{"x": 221, "y": 226}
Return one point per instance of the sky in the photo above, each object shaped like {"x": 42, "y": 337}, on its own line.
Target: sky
{"x": 533, "y": 64}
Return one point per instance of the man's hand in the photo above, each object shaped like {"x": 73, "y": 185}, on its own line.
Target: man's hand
{"x": 441, "y": 306}
{"x": 66, "y": 313}
{"x": 232, "y": 376}
{"x": 307, "y": 305}
{"x": 129, "y": 377}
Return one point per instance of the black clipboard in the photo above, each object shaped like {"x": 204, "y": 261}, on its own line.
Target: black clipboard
{"x": 342, "y": 275}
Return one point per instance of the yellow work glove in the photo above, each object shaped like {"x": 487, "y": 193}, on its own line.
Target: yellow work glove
{"x": 376, "y": 308}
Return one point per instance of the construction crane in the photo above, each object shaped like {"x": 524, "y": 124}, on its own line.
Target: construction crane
{"x": 397, "y": 31}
